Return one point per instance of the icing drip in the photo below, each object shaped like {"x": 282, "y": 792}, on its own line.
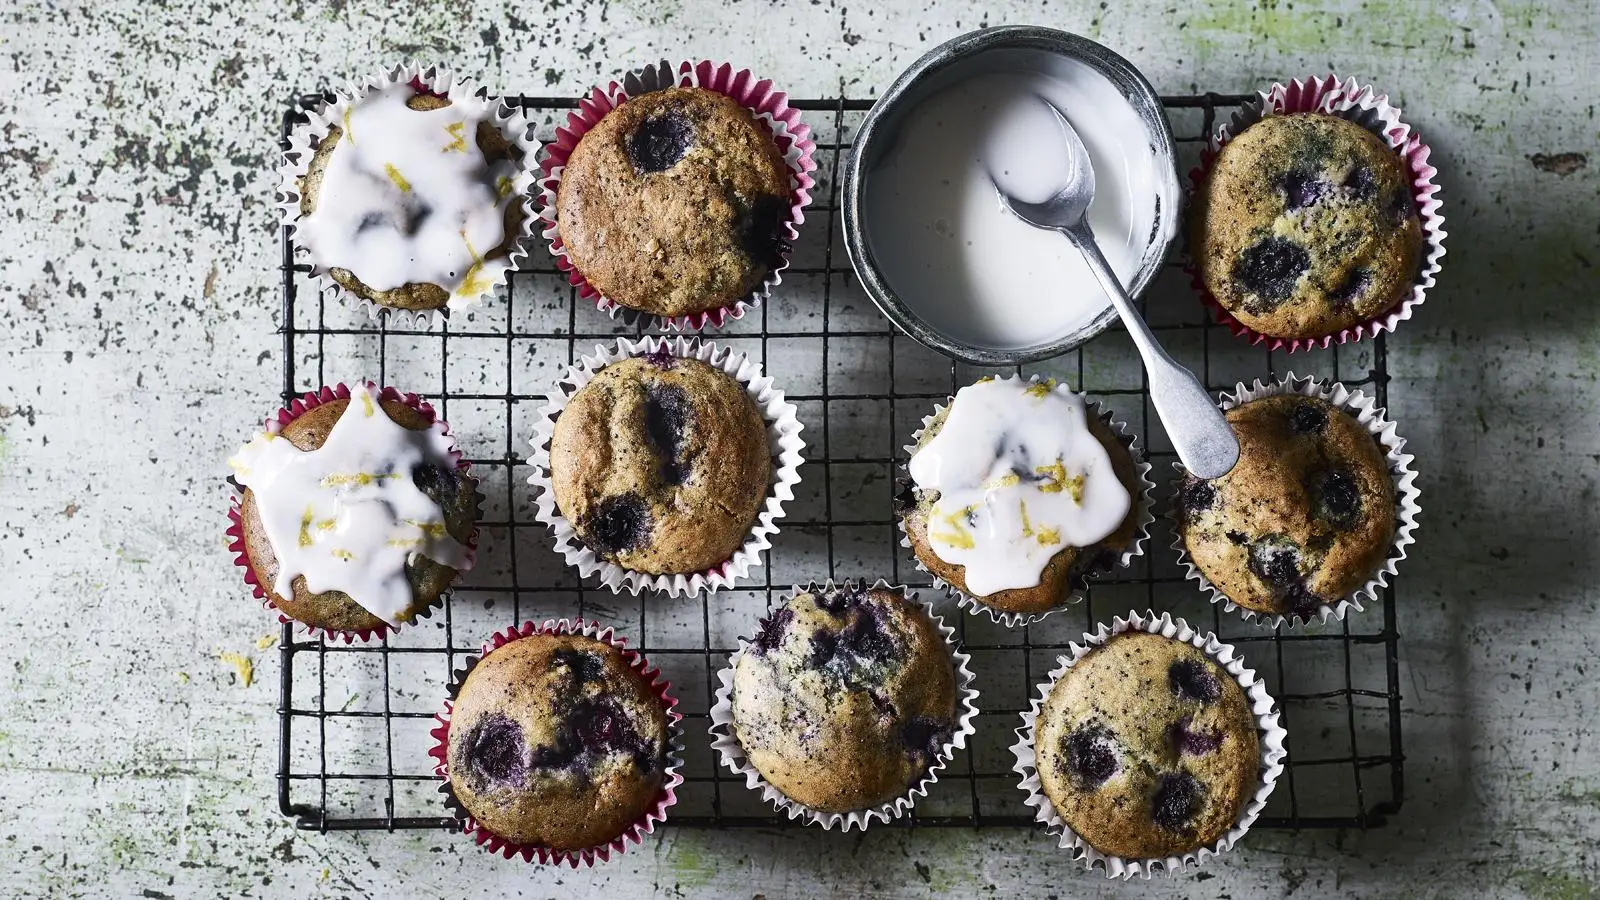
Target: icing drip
{"x": 347, "y": 515}
{"x": 1020, "y": 477}
{"x": 408, "y": 197}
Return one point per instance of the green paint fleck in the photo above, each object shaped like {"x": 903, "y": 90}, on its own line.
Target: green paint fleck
{"x": 1554, "y": 885}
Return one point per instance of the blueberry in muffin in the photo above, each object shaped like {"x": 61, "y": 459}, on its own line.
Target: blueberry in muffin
{"x": 1304, "y": 518}
{"x": 675, "y": 202}
{"x": 1306, "y": 226}
{"x": 555, "y": 741}
{"x": 845, "y": 698}
{"x": 1147, "y": 748}
{"x": 661, "y": 464}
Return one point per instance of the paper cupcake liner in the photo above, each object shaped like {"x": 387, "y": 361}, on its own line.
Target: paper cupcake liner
{"x": 972, "y": 604}
{"x": 1375, "y": 419}
{"x": 733, "y": 756}
{"x": 771, "y": 108}
{"x": 1270, "y": 732}
{"x": 303, "y": 141}
{"x": 1362, "y": 105}
{"x": 783, "y": 442}
{"x": 635, "y": 833}
{"x": 275, "y": 424}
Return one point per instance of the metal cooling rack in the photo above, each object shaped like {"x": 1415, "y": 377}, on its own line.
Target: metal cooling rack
{"x": 354, "y": 718}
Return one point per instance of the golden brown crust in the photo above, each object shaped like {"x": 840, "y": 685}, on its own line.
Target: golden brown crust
{"x": 688, "y": 238}
{"x": 1116, "y": 732}
{"x": 536, "y": 696}
{"x": 843, "y": 704}
{"x": 661, "y": 468}
{"x": 1276, "y": 502}
{"x": 416, "y": 296}
{"x": 1064, "y": 572}
{"x": 334, "y": 610}
{"x": 1306, "y": 226}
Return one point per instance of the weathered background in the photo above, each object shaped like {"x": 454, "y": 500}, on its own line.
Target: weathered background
{"x": 136, "y": 316}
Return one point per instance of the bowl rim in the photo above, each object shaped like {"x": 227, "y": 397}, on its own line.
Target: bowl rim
{"x": 954, "y": 52}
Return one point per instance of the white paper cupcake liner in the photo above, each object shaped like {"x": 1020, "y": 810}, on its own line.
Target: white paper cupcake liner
{"x": 303, "y": 141}
{"x": 1270, "y": 733}
{"x": 783, "y": 441}
{"x": 1363, "y": 105}
{"x": 770, "y": 107}
{"x": 1372, "y": 417}
{"x": 1146, "y": 515}
{"x": 733, "y": 755}
{"x": 671, "y": 775}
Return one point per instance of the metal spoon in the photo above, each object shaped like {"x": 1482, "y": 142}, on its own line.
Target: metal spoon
{"x": 1204, "y": 442}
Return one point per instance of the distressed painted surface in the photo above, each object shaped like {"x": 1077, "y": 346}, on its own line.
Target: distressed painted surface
{"x": 135, "y": 346}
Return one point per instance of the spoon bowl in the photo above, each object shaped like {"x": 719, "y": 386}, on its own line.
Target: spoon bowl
{"x": 1203, "y": 439}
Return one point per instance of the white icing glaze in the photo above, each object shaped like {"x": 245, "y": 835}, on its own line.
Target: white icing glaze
{"x": 1020, "y": 477}
{"x": 347, "y": 515}
{"x": 408, "y": 197}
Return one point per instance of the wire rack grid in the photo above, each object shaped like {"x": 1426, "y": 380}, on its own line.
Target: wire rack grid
{"x": 354, "y": 718}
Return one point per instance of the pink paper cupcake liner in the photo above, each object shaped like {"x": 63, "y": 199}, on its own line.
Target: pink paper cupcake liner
{"x": 1364, "y": 106}
{"x": 771, "y": 108}
{"x": 275, "y": 423}
{"x": 671, "y": 776}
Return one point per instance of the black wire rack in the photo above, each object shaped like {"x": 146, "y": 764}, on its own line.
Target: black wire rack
{"x": 354, "y": 719}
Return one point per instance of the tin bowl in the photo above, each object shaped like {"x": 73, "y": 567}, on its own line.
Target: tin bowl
{"x": 1003, "y": 48}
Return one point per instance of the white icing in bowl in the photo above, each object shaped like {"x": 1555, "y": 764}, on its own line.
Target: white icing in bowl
{"x": 348, "y": 515}
{"x": 1020, "y": 477}
{"x": 409, "y": 198}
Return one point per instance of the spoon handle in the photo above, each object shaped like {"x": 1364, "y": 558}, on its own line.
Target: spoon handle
{"x": 1205, "y": 443}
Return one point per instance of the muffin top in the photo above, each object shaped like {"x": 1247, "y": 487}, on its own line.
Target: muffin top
{"x": 1018, "y": 494}
{"x": 675, "y": 202}
{"x": 354, "y": 514}
{"x": 1306, "y": 226}
{"x": 1147, "y": 748}
{"x": 555, "y": 742}
{"x": 661, "y": 464}
{"x": 845, "y": 698}
{"x": 412, "y": 201}
{"x": 1304, "y": 518}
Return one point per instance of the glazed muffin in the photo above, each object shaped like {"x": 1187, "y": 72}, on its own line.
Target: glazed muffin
{"x": 661, "y": 464}
{"x": 1147, "y": 748}
{"x": 424, "y": 210}
{"x": 381, "y": 508}
{"x": 1306, "y": 226}
{"x": 1305, "y": 517}
{"x": 556, "y": 742}
{"x": 1070, "y": 566}
{"x": 675, "y": 203}
{"x": 845, "y": 697}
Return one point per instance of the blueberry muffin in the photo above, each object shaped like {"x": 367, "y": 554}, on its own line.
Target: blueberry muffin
{"x": 1147, "y": 748}
{"x": 1306, "y": 226}
{"x": 1304, "y": 518}
{"x": 1069, "y": 569}
{"x": 675, "y": 202}
{"x": 395, "y": 199}
{"x": 452, "y": 489}
{"x": 556, "y": 742}
{"x": 661, "y": 464}
{"x": 845, "y": 698}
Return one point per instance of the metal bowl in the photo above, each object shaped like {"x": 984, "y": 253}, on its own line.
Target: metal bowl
{"x": 976, "y": 53}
